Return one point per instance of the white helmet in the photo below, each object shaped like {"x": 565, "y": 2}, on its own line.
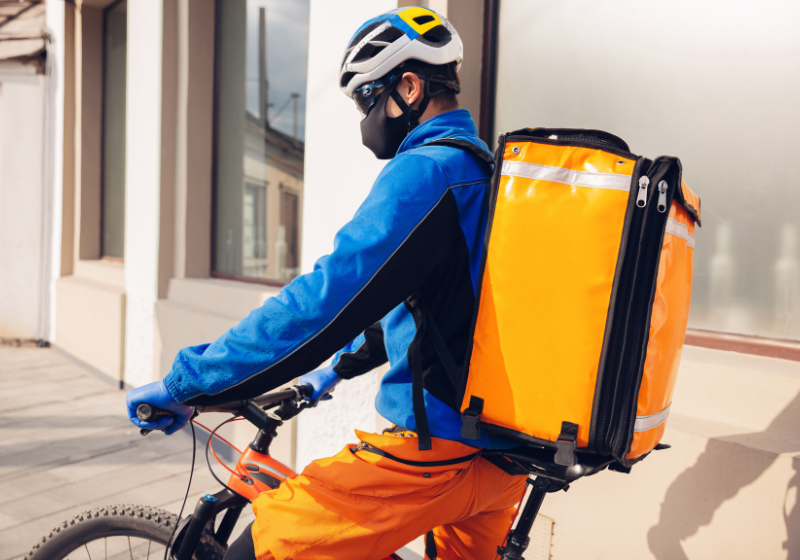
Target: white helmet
{"x": 384, "y": 42}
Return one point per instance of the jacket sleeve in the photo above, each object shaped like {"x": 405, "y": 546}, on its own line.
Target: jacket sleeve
{"x": 401, "y": 232}
{"x": 362, "y": 355}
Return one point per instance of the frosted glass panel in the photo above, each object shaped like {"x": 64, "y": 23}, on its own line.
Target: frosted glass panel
{"x": 715, "y": 83}
{"x": 261, "y": 87}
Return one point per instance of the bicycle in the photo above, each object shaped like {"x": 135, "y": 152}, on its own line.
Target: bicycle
{"x": 198, "y": 536}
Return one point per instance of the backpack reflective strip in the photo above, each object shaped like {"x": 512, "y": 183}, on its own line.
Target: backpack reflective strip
{"x": 645, "y": 423}
{"x": 680, "y": 230}
{"x": 566, "y": 176}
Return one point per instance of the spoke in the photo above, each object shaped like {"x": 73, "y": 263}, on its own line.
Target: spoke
{"x": 129, "y": 547}
{"x": 105, "y": 544}
{"x": 87, "y": 551}
{"x": 148, "y": 549}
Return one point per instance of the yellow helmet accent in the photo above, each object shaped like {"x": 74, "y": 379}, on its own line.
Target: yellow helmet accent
{"x": 410, "y": 14}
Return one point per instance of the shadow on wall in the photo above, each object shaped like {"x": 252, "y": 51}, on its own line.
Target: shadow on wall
{"x": 715, "y": 479}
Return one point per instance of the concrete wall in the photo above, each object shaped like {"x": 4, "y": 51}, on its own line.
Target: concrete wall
{"x": 21, "y": 205}
{"x": 726, "y": 489}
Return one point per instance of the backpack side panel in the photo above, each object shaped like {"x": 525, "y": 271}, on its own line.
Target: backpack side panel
{"x": 545, "y": 291}
{"x": 669, "y": 318}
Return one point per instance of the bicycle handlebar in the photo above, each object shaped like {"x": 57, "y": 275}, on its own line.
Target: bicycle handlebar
{"x": 149, "y": 413}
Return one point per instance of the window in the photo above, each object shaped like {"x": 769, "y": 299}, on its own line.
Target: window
{"x": 673, "y": 78}
{"x": 115, "y": 52}
{"x": 262, "y": 55}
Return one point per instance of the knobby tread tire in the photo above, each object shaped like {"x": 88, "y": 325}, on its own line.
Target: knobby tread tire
{"x": 117, "y": 520}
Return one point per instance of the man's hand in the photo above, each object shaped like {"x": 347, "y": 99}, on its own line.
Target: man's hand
{"x": 323, "y": 380}
{"x": 157, "y": 394}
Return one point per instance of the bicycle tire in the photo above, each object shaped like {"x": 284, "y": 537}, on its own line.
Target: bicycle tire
{"x": 113, "y": 521}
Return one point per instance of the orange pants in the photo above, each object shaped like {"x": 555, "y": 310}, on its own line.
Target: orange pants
{"x": 362, "y": 505}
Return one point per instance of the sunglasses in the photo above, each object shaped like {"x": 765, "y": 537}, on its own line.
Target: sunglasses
{"x": 365, "y": 95}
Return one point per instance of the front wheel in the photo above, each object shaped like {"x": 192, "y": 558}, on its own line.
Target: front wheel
{"x": 117, "y": 532}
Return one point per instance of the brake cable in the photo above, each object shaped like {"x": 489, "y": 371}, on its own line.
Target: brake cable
{"x": 212, "y": 435}
{"x": 186, "y": 496}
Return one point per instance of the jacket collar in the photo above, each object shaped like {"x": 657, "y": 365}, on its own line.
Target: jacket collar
{"x": 446, "y": 125}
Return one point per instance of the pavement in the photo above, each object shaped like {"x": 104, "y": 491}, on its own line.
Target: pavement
{"x": 66, "y": 446}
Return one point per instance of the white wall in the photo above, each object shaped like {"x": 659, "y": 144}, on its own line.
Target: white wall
{"x": 142, "y": 187}
{"x": 339, "y": 172}
{"x": 54, "y": 153}
{"x": 21, "y": 131}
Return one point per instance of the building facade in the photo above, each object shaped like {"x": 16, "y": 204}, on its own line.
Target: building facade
{"x": 199, "y": 154}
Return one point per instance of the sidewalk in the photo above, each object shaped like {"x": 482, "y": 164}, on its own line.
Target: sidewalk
{"x": 66, "y": 446}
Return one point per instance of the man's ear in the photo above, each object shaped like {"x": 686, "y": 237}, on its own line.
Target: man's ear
{"x": 412, "y": 88}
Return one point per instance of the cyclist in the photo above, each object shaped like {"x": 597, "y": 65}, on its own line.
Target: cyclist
{"x": 409, "y": 256}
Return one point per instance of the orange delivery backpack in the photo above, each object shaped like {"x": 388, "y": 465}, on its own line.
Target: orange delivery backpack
{"x": 583, "y": 297}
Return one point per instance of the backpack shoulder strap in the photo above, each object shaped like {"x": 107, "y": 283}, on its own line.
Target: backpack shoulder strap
{"x": 482, "y": 155}
{"x": 427, "y": 328}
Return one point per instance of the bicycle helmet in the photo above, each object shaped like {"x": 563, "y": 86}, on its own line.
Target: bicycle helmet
{"x": 385, "y": 42}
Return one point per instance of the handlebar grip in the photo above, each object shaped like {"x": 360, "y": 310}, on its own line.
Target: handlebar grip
{"x": 306, "y": 390}
{"x": 149, "y": 413}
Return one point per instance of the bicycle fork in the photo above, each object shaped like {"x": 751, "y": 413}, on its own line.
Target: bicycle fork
{"x": 188, "y": 534}
{"x": 518, "y": 538}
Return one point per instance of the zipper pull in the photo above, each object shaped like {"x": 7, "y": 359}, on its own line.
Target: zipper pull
{"x": 662, "y": 196}
{"x": 641, "y": 200}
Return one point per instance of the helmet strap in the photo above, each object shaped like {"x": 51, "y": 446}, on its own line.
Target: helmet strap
{"x": 434, "y": 85}
{"x": 417, "y": 113}
{"x": 399, "y": 100}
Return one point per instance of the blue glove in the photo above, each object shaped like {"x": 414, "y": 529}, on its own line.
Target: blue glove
{"x": 157, "y": 394}
{"x": 323, "y": 380}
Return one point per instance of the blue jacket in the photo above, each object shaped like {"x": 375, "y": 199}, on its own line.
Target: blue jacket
{"x": 418, "y": 234}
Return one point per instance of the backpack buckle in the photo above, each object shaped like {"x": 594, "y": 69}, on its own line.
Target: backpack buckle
{"x": 565, "y": 445}
{"x": 470, "y": 419}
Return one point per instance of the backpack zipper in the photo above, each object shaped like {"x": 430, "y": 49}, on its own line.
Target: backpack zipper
{"x": 662, "y": 196}
{"x": 623, "y": 362}
{"x": 651, "y": 240}
{"x": 641, "y": 200}
{"x": 364, "y": 446}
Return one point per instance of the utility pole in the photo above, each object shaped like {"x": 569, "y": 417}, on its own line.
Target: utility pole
{"x": 295, "y": 97}
{"x": 263, "y": 80}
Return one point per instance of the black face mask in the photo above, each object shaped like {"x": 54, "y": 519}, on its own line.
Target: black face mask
{"x": 381, "y": 134}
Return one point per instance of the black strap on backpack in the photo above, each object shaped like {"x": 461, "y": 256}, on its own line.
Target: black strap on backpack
{"x": 428, "y": 328}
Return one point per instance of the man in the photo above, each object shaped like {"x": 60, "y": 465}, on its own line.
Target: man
{"x": 409, "y": 259}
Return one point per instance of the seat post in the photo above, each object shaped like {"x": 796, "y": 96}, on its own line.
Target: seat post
{"x": 518, "y": 538}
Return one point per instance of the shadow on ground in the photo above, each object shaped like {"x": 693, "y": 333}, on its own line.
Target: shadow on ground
{"x": 714, "y": 480}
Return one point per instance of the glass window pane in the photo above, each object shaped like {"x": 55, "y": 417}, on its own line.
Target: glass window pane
{"x": 261, "y": 86}
{"x": 115, "y": 45}
{"x": 672, "y": 77}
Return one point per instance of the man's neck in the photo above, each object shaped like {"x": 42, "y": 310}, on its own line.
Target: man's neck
{"x": 432, "y": 110}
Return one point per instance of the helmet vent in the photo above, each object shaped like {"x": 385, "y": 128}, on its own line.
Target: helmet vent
{"x": 422, "y": 20}
{"x": 346, "y": 77}
{"x": 368, "y": 51}
{"x": 364, "y": 32}
{"x": 439, "y": 36}
{"x": 388, "y": 35}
